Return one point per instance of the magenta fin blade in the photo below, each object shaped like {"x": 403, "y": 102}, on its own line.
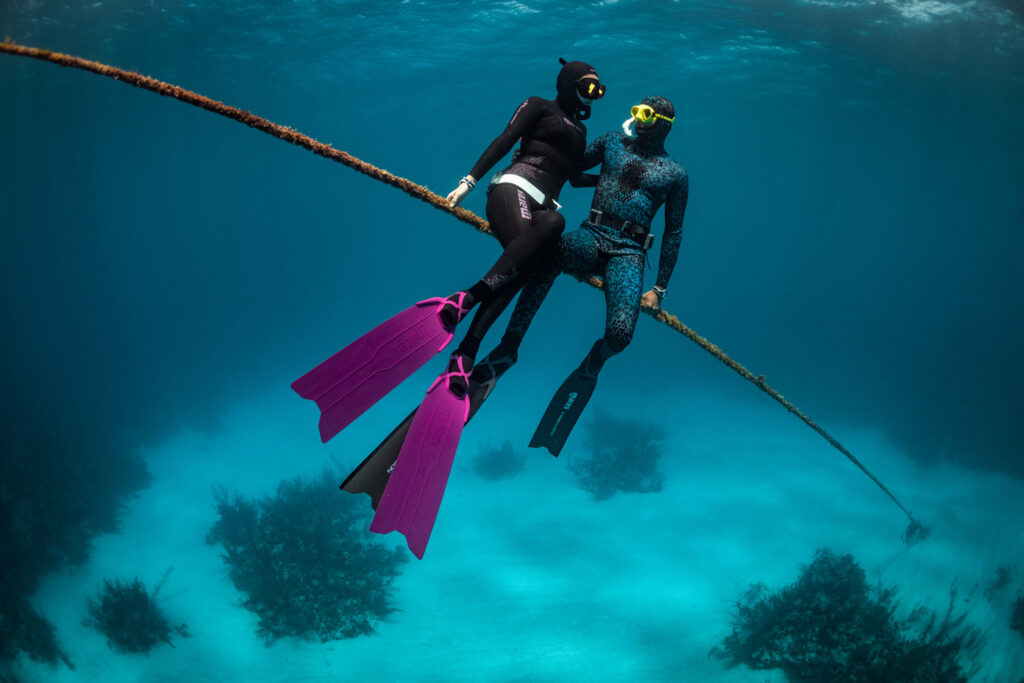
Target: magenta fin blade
{"x": 351, "y": 381}
{"x": 340, "y": 366}
{"x": 413, "y": 495}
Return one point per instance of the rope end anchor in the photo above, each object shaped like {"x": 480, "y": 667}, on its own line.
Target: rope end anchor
{"x": 915, "y": 533}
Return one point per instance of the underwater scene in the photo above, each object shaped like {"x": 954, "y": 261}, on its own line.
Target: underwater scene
{"x": 782, "y": 441}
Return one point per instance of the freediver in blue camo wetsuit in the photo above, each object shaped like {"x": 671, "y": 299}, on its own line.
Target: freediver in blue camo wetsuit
{"x": 637, "y": 178}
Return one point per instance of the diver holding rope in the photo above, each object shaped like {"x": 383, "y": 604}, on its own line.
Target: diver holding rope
{"x": 522, "y": 208}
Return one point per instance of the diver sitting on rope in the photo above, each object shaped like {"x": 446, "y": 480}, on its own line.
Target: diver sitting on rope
{"x": 637, "y": 178}
{"x": 522, "y": 208}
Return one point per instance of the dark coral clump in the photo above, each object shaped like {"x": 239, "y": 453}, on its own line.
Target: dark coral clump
{"x": 23, "y": 629}
{"x": 1017, "y": 619}
{"x": 498, "y": 463}
{"x": 623, "y": 457}
{"x": 130, "y": 618}
{"x": 305, "y": 561}
{"x": 915, "y": 532}
{"x": 56, "y": 494}
{"x": 998, "y": 584}
{"x": 829, "y": 627}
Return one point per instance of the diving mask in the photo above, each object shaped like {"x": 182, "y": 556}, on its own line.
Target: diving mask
{"x": 590, "y": 88}
{"x": 644, "y": 113}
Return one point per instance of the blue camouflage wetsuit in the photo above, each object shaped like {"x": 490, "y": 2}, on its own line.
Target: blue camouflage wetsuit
{"x": 637, "y": 178}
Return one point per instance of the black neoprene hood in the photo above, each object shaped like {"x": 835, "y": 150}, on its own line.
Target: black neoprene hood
{"x": 570, "y": 74}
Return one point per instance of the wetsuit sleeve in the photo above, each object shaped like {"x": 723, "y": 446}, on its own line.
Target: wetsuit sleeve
{"x": 675, "y": 207}
{"x": 525, "y": 117}
{"x": 595, "y": 152}
{"x": 593, "y": 155}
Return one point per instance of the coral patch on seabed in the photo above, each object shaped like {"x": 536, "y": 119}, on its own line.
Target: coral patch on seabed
{"x": 56, "y": 496}
{"x": 498, "y": 463}
{"x": 305, "y": 561}
{"x": 1017, "y": 620}
{"x": 130, "y": 618}
{"x": 830, "y": 626}
{"x": 622, "y": 457}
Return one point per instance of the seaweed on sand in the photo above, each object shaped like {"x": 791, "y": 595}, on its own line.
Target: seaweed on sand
{"x": 305, "y": 562}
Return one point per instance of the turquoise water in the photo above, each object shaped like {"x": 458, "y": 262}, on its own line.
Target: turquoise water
{"x": 853, "y": 234}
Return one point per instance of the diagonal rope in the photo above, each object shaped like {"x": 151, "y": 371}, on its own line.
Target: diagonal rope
{"x": 916, "y": 531}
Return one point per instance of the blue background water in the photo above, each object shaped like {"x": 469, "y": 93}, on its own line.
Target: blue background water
{"x": 853, "y": 233}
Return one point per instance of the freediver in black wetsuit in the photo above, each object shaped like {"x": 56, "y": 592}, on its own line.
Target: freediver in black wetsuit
{"x": 637, "y": 177}
{"x": 406, "y": 475}
{"x": 522, "y": 204}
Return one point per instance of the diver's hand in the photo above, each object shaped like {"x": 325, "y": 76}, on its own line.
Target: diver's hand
{"x": 456, "y": 196}
{"x": 651, "y": 300}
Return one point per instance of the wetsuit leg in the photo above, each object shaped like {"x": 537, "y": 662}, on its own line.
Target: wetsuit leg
{"x": 489, "y": 312}
{"x": 526, "y": 230}
{"x": 623, "y": 286}
{"x": 576, "y": 251}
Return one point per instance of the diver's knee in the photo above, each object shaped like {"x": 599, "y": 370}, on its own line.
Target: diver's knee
{"x": 616, "y": 340}
{"x": 552, "y": 225}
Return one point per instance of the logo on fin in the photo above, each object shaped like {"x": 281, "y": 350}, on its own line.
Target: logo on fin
{"x": 572, "y": 399}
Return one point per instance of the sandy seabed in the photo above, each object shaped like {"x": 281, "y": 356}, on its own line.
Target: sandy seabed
{"x": 528, "y": 579}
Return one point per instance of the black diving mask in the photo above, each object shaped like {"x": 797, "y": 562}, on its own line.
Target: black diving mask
{"x": 590, "y": 88}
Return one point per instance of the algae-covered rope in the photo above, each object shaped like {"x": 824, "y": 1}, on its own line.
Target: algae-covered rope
{"x": 251, "y": 120}
{"x": 916, "y": 530}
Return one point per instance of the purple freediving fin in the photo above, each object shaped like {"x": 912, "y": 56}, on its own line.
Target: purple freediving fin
{"x": 372, "y": 474}
{"x": 414, "y": 491}
{"x": 348, "y": 383}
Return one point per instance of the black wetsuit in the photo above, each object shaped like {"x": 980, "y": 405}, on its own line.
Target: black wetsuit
{"x": 551, "y": 153}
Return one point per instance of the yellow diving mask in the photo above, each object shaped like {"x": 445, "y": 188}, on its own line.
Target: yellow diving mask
{"x": 644, "y": 113}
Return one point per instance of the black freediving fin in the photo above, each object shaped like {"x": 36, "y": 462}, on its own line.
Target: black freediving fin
{"x": 564, "y": 411}
{"x": 372, "y": 474}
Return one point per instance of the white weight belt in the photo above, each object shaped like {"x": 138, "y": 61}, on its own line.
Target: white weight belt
{"x": 526, "y": 186}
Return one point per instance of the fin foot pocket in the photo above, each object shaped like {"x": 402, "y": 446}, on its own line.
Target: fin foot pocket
{"x": 494, "y": 365}
{"x": 451, "y": 309}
